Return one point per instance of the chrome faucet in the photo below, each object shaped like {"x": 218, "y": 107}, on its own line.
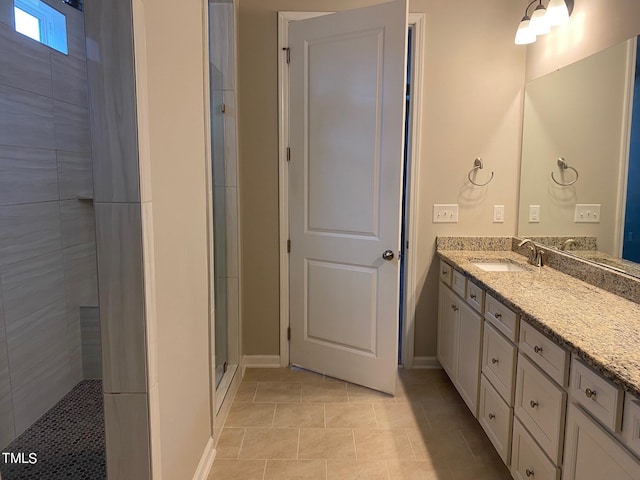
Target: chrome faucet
{"x": 570, "y": 242}
{"x": 535, "y": 254}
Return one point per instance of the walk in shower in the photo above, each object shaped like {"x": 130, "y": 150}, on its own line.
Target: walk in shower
{"x": 51, "y": 407}
{"x": 224, "y": 194}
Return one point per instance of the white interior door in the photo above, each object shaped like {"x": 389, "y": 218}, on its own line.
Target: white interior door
{"x": 347, "y": 98}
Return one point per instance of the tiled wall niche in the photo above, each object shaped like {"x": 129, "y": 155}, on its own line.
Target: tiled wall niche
{"x": 47, "y": 232}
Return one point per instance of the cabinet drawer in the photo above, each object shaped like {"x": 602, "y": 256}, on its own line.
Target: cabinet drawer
{"x": 550, "y": 357}
{"x": 475, "y": 296}
{"x": 528, "y": 461}
{"x": 496, "y": 418}
{"x": 631, "y": 423}
{"x": 540, "y": 406}
{"x": 598, "y": 396}
{"x": 458, "y": 284}
{"x": 498, "y": 362}
{"x": 501, "y": 317}
{"x": 446, "y": 272}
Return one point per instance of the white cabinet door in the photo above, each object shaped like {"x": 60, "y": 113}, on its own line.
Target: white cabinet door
{"x": 469, "y": 341}
{"x": 592, "y": 454}
{"x": 448, "y": 314}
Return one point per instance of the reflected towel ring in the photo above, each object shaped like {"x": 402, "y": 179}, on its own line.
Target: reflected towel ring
{"x": 562, "y": 163}
{"x": 478, "y": 165}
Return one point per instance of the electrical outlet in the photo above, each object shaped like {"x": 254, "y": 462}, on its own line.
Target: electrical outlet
{"x": 445, "y": 213}
{"x": 534, "y": 213}
{"x": 587, "y": 213}
{"x": 498, "y": 214}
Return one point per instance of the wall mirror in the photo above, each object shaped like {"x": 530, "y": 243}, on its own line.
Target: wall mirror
{"x": 580, "y": 170}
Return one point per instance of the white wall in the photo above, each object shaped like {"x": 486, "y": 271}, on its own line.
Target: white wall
{"x": 172, "y": 83}
{"x": 594, "y": 26}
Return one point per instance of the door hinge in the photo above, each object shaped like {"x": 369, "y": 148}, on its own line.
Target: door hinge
{"x": 223, "y": 108}
{"x": 288, "y": 246}
{"x": 288, "y": 333}
{"x": 287, "y": 54}
{"x": 288, "y": 154}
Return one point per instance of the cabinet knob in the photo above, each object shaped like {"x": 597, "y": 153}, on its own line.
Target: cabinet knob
{"x": 497, "y": 315}
{"x": 590, "y": 393}
{"x": 533, "y": 404}
{"x": 491, "y": 416}
{"x": 529, "y": 472}
{"x": 444, "y": 272}
{"x": 473, "y": 296}
{"x": 537, "y": 349}
{"x": 454, "y": 307}
{"x": 494, "y": 360}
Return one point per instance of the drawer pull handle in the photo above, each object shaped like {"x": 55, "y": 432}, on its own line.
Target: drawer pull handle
{"x": 498, "y": 315}
{"x": 454, "y": 307}
{"x": 473, "y": 296}
{"x": 537, "y": 349}
{"x": 491, "y": 416}
{"x": 494, "y": 361}
{"x": 590, "y": 393}
{"x": 529, "y": 472}
{"x": 533, "y": 404}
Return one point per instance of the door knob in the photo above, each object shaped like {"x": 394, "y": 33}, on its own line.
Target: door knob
{"x": 388, "y": 255}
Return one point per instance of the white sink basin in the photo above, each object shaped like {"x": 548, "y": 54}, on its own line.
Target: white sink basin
{"x": 499, "y": 267}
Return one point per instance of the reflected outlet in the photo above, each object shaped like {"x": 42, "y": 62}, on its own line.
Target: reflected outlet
{"x": 445, "y": 213}
{"x": 587, "y": 213}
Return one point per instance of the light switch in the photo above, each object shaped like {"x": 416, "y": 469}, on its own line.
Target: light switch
{"x": 587, "y": 213}
{"x": 445, "y": 213}
{"x": 498, "y": 214}
{"x": 534, "y": 213}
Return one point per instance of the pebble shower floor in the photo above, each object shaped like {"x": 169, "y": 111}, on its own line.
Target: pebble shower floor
{"x": 68, "y": 440}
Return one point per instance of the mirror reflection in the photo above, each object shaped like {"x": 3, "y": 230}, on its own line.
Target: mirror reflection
{"x": 580, "y": 171}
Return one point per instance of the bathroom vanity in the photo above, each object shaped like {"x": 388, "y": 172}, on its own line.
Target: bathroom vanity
{"x": 549, "y": 364}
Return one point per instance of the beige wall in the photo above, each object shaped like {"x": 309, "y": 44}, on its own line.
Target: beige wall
{"x": 173, "y": 157}
{"x": 594, "y": 26}
{"x": 472, "y": 106}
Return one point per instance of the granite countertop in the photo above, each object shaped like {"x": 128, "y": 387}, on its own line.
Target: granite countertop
{"x": 602, "y": 328}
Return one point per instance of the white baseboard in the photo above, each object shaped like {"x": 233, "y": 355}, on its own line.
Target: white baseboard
{"x": 206, "y": 462}
{"x": 260, "y": 361}
{"x": 426, "y": 362}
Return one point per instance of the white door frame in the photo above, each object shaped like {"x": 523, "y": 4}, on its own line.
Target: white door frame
{"x": 416, "y": 20}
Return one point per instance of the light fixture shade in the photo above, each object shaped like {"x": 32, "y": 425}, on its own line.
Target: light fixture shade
{"x": 539, "y": 24}
{"x": 557, "y": 13}
{"x": 524, "y": 34}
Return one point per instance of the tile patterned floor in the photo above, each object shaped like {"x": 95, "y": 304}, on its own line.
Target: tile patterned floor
{"x": 68, "y": 439}
{"x": 289, "y": 424}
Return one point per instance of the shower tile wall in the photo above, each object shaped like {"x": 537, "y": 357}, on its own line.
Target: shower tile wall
{"x": 47, "y": 234}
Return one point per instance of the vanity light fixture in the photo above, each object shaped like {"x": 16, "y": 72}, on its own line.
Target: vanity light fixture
{"x": 543, "y": 18}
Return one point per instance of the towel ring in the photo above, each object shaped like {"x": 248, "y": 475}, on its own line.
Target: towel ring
{"x": 478, "y": 165}
{"x": 562, "y": 163}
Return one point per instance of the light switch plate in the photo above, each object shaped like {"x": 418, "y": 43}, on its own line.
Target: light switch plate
{"x": 445, "y": 213}
{"x": 498, "y": 214}
{"x": 534, "y": 213}
{"x": 587, "y": 213}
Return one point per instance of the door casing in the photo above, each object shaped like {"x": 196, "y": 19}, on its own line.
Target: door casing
{"x": 416, "y": 21}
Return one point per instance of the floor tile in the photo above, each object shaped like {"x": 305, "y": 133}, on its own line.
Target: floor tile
{"x": 297, "y": 375}
{"x": 400, "y": 416}
{"x": 229, "y": 443}
{"x": 237, "y": 469}
{"x": 382, "y": 444}
{"x": 278, "y": 392}
{"x": 357, "y": 470}
{"x": 263, "y": 374}
{"x": 270, "y": 443}
{"x": 296, "y": 470}
{"x": 304, "y": 415}
{"x": 347, "y": 415}
{"x": 358, "y": 394}
{"x": 332, "y": 443}
{"x": 440, "y": 446}
{"x": 246, "y": 393}
{"x": 417, "y": 470}
{"x": 251, "y": 415}
{"x": 324, "y": 392}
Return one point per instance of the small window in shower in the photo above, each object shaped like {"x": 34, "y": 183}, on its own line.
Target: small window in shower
{"x": 44, "y": 24}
